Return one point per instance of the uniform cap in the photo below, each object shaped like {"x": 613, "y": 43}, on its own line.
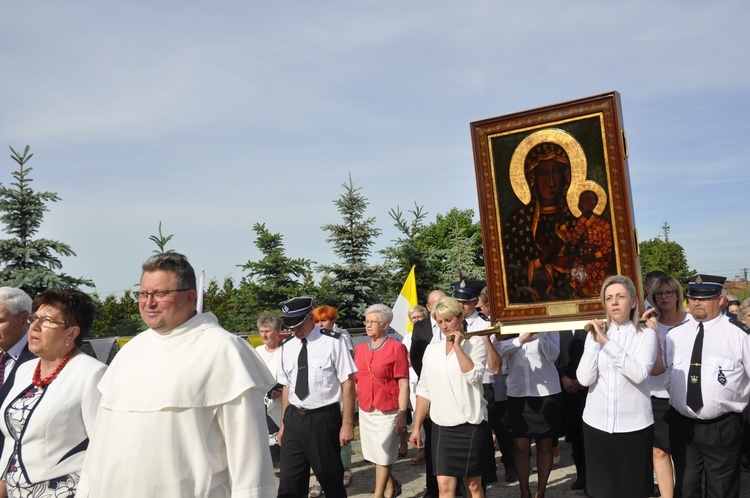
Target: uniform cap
{"x": 705, "y": 286}
{"x": 295, "y": 310}
{"x": 467, "y": 290}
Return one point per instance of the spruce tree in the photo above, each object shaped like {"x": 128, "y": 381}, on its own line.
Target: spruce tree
{"x": 30, "y": 263}
{"x": 354, "y": 284}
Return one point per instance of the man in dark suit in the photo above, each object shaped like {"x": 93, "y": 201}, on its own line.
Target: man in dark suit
{"x": 425, "y": 332}
{"x": 15, "y": 308}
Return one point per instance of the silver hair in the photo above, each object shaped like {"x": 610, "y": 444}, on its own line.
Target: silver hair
{"x": 16, "y": 300}
{"x": 386, "y": 314}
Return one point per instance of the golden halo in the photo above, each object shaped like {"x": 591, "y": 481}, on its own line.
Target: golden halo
{"x": 575, "y": 192}
{"x": 578, "y": 165}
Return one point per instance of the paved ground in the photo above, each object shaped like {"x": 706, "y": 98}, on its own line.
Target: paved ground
{"x": 412, "y": 478}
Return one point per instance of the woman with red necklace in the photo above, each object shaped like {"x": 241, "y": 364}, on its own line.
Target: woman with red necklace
{"x": 50, "y": 410}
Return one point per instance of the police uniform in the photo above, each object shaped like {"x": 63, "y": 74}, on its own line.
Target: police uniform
{"x": 312, "y": 423}
{"x": 707, "y": 439}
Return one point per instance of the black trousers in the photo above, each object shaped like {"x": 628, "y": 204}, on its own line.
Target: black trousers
{"x": 573, "y": 405}
{"x": 311, "y": 439}
{"x": 499, "y": 424}
{"x": 430, "y": 479}
{"x": 275, "y": 449}
{"x": 710, "y": 448}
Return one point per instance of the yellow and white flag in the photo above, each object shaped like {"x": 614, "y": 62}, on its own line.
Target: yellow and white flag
{"x": 406, "y": 299}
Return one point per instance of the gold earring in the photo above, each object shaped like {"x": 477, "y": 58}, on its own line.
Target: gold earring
{"x": 67, "y": 343}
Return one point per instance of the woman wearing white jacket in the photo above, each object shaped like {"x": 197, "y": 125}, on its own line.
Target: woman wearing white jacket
{"x": 50, "y": 410}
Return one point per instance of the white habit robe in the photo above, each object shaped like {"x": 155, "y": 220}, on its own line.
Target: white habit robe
{"x": 182, "y": 415}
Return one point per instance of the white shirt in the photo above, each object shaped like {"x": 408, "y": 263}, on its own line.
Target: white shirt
{"x": 657, "y": 383}
{"x": 437, "y": 334}
{"x": 617, "y": 377}
{"x": 181, "y": 415}
{"x": 13, "y": 353}
{"x": 455, "y": 397}
{"x": 329, "y": 365}
{"x": 272, "y": 360}
{"x": 475, "y": 323}
{"x": 726, "y": 349}
{"x": 531, "y": 366}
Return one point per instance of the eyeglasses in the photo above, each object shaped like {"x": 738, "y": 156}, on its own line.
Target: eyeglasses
{"x": 733, "y": 302}
{"x": 45, "y": 321}
{"x": 371, "y": 322}
{"x": 666, "y": 293}
{"x": 158, "y": 295}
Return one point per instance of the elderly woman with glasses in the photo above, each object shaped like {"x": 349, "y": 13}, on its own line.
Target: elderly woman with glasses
{"x": 49, "y": 412}
{"x": 382, "y": 380}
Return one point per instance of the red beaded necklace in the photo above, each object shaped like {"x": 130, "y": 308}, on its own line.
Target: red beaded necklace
{"x": 39, "y": 382}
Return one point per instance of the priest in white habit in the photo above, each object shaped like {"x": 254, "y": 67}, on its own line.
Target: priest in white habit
{"x": 182, "y": 410}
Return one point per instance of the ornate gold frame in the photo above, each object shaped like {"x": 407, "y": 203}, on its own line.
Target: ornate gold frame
{"x": 591, "y": 133}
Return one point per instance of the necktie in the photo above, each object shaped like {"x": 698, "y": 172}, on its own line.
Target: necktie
{"x": 302, "y": 388}
{"x": 694, "y": 393}
{"x": 3, "y": 358}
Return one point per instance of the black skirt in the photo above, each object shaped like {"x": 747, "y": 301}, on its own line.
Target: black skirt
{"x": 536, "y": 417}
{"x": 458, "y": 451}
{"x": 619, "y": 464}
{"x": 661, "y": 430}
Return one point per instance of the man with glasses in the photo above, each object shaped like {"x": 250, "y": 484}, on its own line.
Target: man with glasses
{"x": 182, "y": 410}
{"x": 317, "y": 371}
{"x": 708, "y": 380}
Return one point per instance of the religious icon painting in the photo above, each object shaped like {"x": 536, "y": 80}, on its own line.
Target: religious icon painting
{"x": 556, "y": 211}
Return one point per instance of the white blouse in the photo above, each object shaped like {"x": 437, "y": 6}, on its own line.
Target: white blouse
{"x": 617, "y": 377}
{"x": 531, "y": 366}
{"x": 455, "y": 397}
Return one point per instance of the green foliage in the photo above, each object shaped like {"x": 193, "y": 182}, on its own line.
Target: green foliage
{"x": 407, "y": 252}
{"x": 456, "y": 239}
{"x": 117, "y": 317}
{"x": 161, "y": 241}
{"x": 274, "y": 278}
{"x": 356, "y": 284}
{"x": 660, "y": 253}
{"x": 30, "y": 263}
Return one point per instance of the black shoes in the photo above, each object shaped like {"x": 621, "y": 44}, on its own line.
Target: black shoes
{"x": 578, "y": 484}
{"x": 510, "y": 474}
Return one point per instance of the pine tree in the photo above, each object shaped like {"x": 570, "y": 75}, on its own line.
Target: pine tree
{"x": 276, "y": 277}
{"x": 30, "y": 263}
{"x": 355, "y": 284}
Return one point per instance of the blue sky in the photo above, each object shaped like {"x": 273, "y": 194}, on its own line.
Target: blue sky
{"x": 212, "y": 116}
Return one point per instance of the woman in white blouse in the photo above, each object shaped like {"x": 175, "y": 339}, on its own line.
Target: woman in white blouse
{"x": 450, "y": 389}
{"x": 534, "y": 408}
{"x": 618, "y": 424}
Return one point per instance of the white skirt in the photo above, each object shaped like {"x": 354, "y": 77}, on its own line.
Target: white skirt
{"x": 377, "y": 434}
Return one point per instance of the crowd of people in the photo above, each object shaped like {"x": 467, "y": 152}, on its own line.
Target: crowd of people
{"x": 187, "y": 409}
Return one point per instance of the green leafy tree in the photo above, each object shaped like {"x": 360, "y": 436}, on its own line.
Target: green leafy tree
{"x": 456, "y": 239}
{"x": 407, "y": 252}
{"x": 354, "y": 284}
{"x": 161, "y": 241}
{"x": 273, "y": 279}
{"x": 30, "y": 263}
{"x": 666, "y": 255}
{"x": 117, "y": 317}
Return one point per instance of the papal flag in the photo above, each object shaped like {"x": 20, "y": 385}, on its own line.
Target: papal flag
{"x": 406, "y": 299}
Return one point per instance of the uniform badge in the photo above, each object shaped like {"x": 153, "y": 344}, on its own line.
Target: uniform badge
{"x": 722, "y": 377}
{"x": 693, "y": 379}
{"x": 698, "y": 280}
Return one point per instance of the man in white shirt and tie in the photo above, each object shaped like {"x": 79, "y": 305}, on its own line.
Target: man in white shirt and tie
{"x": 708, "y": 380}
